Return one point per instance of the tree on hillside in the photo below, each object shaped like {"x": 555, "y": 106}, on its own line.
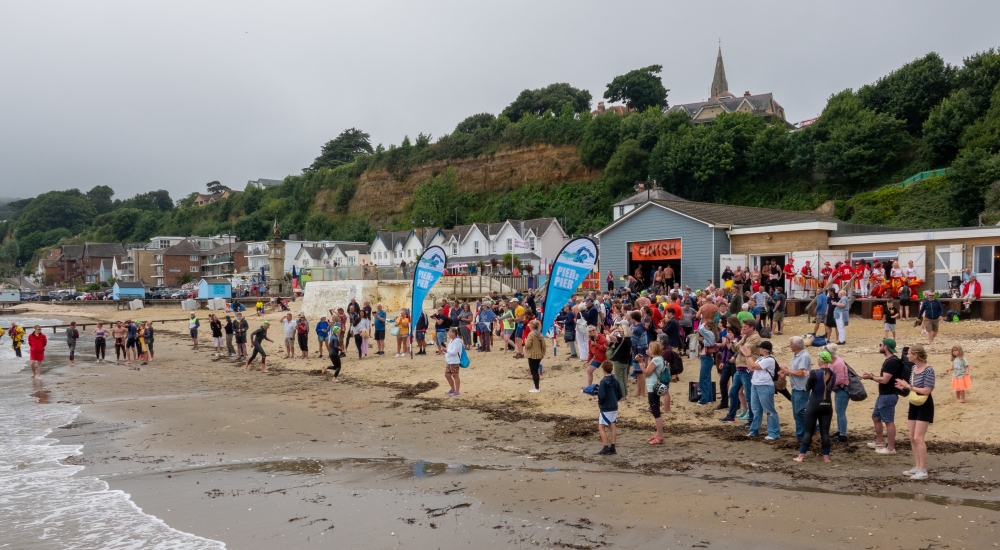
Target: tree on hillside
{"x": 629, "y": 164}
{"x": 944, "y": 127}
{"x": 549, "y": 98}
{"x": 435, "y": 200}
{"x": 56, "y": 209}
{"x": 980, "y": 75}
{"x": 600, "y": 139}
{"x": 475, "y": 122}
{"x": 854, "y": 144}
{"x": 153, "y": 201}
{"x": 911, "y": 91}
{"x": 100, "y": 196}
{"x": 343, "y": 149}
{"x": 216, "y": 187}
{"x": 639, "y": 89}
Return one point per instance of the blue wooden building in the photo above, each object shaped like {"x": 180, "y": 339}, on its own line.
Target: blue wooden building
{"x": 128, "y": 291}
{"x": 215, "y": 288}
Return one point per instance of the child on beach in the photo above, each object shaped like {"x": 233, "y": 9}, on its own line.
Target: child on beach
{"x": 960, "y": 379}
{"x": 608, "y": 393}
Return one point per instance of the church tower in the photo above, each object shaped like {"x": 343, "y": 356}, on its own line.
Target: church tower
{"x": 276, "y": 263}
{"x": 719, "y": 84}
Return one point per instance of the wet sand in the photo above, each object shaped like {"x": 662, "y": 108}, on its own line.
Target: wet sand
{"x": 378, "y": 458}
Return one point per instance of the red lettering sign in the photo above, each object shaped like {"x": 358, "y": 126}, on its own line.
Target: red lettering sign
{"x": 667, "y": 249}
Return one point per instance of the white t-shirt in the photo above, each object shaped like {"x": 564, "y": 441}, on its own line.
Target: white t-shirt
{"x": 910, "y": 272}
{"x": 361, "y": 327}
{"x": 762, "y": 377}
{"x": 289, "y": 327}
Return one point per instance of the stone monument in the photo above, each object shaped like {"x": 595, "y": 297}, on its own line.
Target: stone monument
{"x": 276, "y": 285}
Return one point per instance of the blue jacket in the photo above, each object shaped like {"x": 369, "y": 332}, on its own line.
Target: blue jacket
{"x": 821, "y": 303}
{"x": 932, "y": 309}
{"x": 608, "y": 393}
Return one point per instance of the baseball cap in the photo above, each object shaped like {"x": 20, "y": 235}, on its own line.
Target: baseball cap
{"x": 889, "y": 343}
{"x": 266, "y": 323}
{"x": 825, "y": 357}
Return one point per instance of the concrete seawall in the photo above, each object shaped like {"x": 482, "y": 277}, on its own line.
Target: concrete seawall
{"x": 321, "y": 296}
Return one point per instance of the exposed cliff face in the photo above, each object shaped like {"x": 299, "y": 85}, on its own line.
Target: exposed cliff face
{"x": 381, "y": 196}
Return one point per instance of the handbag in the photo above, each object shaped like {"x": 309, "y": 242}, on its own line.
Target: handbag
{"x": 915, "y": 398}
{"x": 394, "y": 331}
{"x": 464, "y": 360}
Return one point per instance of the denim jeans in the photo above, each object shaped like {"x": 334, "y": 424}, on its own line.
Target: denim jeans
{"x": 800, "y": 398}
{"x": 840, "y": 400}
{"x": 705, "y": 379}
{"x": 728, "y": 371}
{"x": 740, "y": 380}
{"x": 761, "y": 403}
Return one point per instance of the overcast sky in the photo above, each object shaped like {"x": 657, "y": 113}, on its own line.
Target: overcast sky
{"x": 170, "y": 95}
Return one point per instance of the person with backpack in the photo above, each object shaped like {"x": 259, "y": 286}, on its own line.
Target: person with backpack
{"x": 72, "y": 335}
{"x": 609, "y": 392}
{"x": 764, "y": 371}
{"x": 657, "y": 379}
{"x": 841, "y": 394}
{"x": 453, "y": 359}
{"x": 619, "y": 354}
{"x": 885, "y": 405}
{"x": 638, "y": 349}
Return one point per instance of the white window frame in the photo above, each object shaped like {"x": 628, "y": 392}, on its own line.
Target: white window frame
{"x": 454, "y": 249}
{"x": 475, "y": 247}
{"x": 494, "y": 247}
{"x": 531, "y": 243}
{"x": 975, "y": 259}
{"x": 195, "y": 269}
{"x": 510, "y": 245}
{"x": 193, "y": 258}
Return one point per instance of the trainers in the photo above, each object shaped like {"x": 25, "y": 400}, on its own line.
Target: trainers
{"x": 911, "y": 471}
{"x": 743, "y": 415}
{"x": 450, "y": 393}
{"x": 533, "y": 391}
{"x": 612, "y": 450}
{"x": 921, "y": 474}
{"x": 727, "y": 420}
{"x": 885, "y": 451}
{"x": 751, "y": 434}
{"x": 873, "y": 445}
{"x": 604, "y": 451}
{"x": 769, "y": 438}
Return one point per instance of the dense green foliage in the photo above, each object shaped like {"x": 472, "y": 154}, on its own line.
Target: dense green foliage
{"x": 927, "y": 114}
{"x": 550, "y": 98}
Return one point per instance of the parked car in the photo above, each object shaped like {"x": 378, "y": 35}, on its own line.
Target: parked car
{"x": 180, "y": 294}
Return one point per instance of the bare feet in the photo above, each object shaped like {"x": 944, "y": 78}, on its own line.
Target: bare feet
{"x": 826, "y": 458}
{"x": 799, "y": 458}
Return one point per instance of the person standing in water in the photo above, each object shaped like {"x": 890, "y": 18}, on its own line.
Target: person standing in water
{"x": 72, "y": 335}
{"x": 36, "y": 351}
{"x": 100, "y": 342}
{"x": 256, "y": 338}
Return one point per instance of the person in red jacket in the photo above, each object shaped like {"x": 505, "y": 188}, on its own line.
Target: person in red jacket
{"x": 36, "y": 345}
{"x": 598, "y": 347}
{"x": 971, "y": 291}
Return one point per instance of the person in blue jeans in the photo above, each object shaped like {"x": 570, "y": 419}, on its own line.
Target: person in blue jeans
{"x": 798, "y": 375}
{"x": 822, "y": 302}
{"x": 841, "y": 396}
{"x": 762, "y": 392}
{"x": 708, "y": 335}
{"x": 747, "y": 339}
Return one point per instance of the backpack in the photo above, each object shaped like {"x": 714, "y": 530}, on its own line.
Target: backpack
{"x": 819, "y": 342}
{"x": 905, "y": 374}
{"x": 855, "y": 389}
{"x": 665, "y": 374}
{"x": 765, "y": 332}
{"x": 676, "y": 364}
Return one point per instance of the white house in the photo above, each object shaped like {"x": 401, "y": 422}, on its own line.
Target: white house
{"x": 385, "y": 246}
{"x": 309, "y": 256}
{"x": 349, "y": 254}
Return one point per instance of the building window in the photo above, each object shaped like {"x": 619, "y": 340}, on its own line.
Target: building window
{"x": 493, "y": 246}
{"x": 531, "y": 243}
{"x": 510, "y": 245}
{"x": 454, "y": 249}
{"x": 305, "y": 263}
{"x": 621, "y": 210}
{"x": 194, "y": 269}
{"x": 475, "y": 246}
{"x": 409, "y": 253}
{"x": 193, "y": 258}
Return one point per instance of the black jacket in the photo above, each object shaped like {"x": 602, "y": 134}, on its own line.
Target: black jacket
{"x": 608, "y": 393}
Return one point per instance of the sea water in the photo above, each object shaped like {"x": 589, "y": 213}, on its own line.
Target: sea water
{"x": 43, "y": 503}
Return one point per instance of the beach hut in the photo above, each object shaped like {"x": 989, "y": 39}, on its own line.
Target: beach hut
{"x": 128, "y": 291}
{"x": 215, "y": 288}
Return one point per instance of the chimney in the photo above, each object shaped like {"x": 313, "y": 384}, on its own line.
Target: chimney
{"x": 640, "y": 186}
{"x": 746, "y": 93}
{"x": 600, "y": 107}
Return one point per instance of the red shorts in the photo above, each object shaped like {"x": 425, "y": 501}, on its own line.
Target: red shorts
{"x": 36, "y": 356}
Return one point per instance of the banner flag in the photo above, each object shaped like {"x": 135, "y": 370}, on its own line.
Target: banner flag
{"x": 429, "y": 269}
{"x": 575, "y": 261}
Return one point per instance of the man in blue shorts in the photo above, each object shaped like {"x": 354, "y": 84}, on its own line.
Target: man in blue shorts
{"x": 885, "y": 404}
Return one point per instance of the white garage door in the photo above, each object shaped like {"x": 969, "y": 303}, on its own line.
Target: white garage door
{"x": 919, "y": 256}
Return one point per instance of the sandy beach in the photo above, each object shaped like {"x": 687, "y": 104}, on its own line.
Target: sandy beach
{"x": 384, "y": 459}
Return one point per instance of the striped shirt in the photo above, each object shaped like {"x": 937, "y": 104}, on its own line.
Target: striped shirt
{"x": 924, "y": 379}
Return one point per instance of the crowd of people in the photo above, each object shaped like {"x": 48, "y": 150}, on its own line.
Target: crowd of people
{"x": 636, "y": 337}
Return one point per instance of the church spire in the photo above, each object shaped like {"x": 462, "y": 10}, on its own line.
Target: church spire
{"x": 719, "y": 84}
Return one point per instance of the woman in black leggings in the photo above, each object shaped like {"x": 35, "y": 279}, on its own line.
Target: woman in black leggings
{"x": 335, "y": 348}
{"x": 819, "y": 409}
{"x": 100, "y": 343}
{"x": 534, "y": 349}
